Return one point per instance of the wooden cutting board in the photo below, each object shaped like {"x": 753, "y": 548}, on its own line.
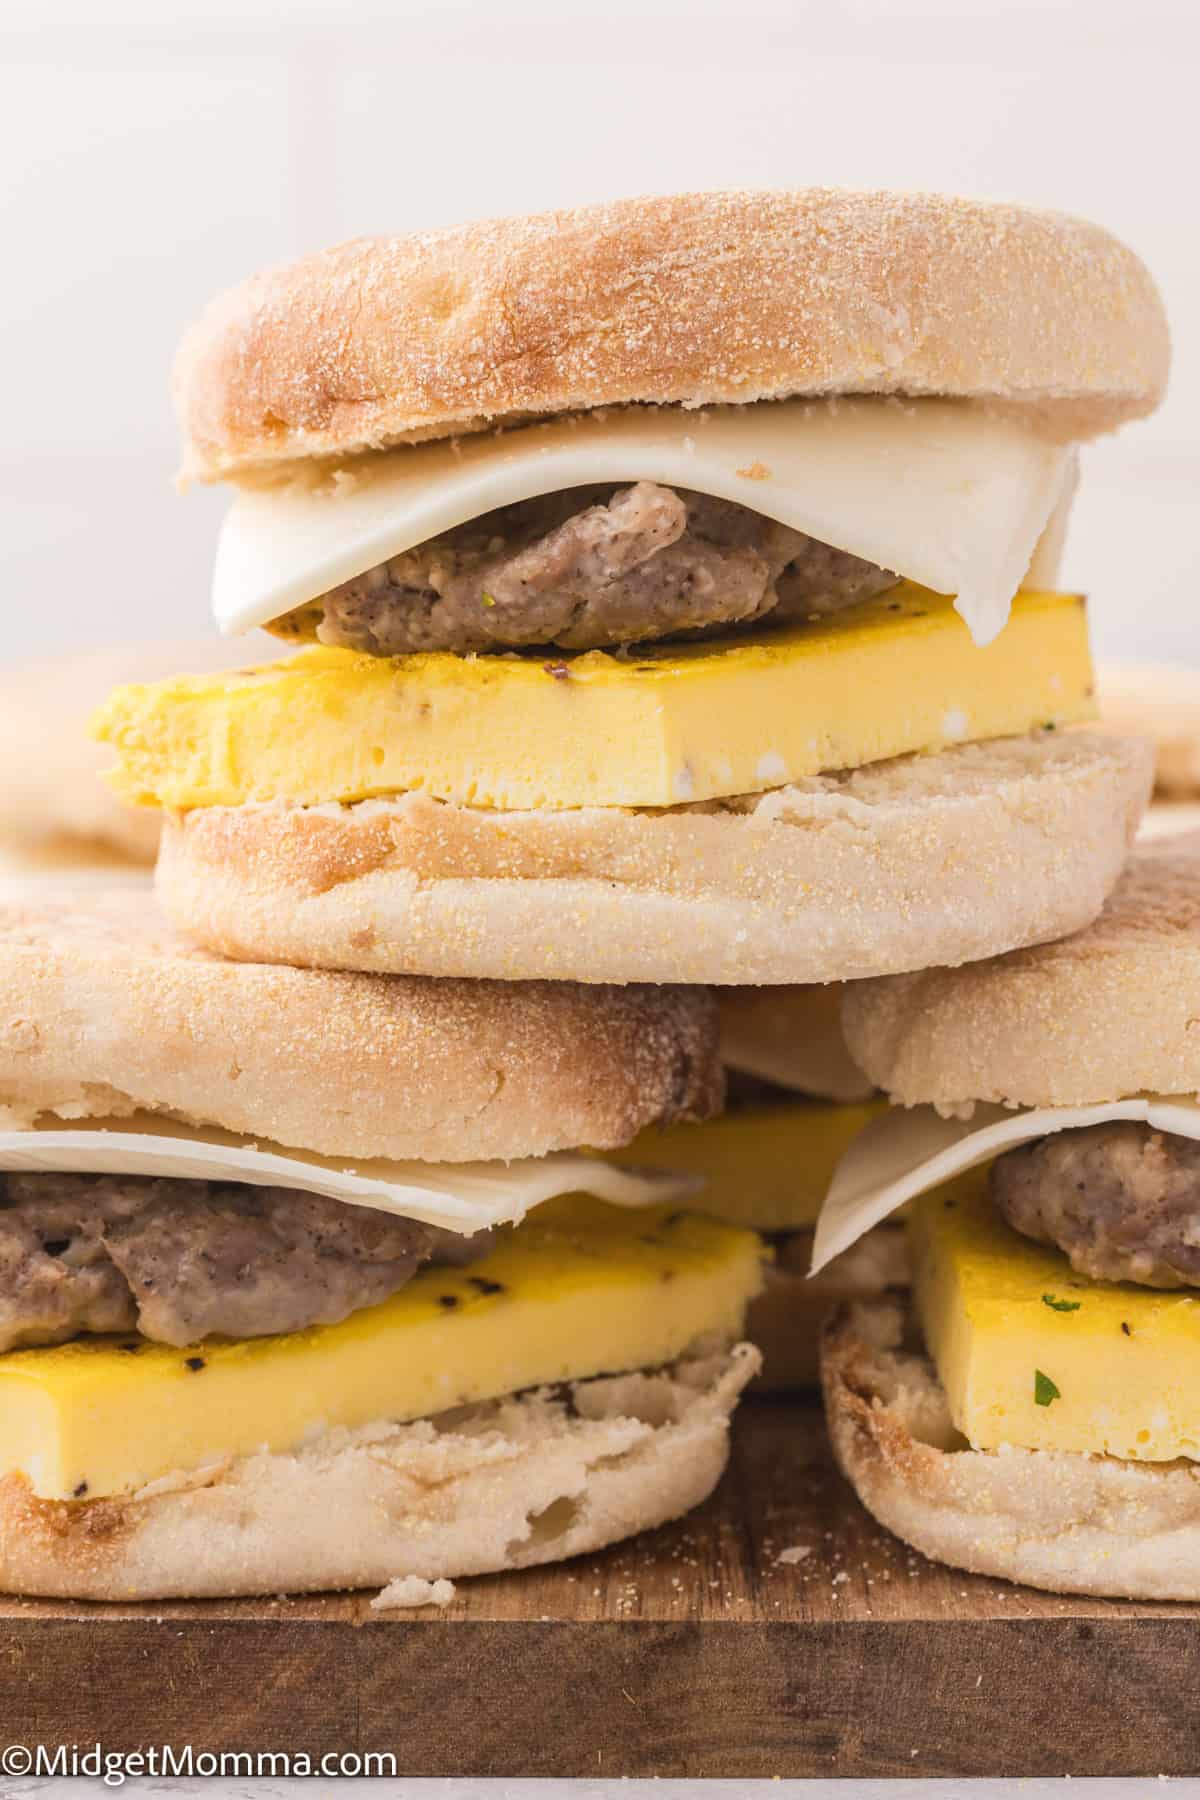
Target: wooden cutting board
{"x": 698, "y": 1650}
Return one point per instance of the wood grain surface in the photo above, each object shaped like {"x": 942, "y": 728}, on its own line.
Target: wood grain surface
{"x": 696, "y": 1650}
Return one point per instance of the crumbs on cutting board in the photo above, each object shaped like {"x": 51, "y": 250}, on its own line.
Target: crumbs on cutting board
{"x": 413, "y": 1590}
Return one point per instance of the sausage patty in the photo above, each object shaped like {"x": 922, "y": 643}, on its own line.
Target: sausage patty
{"x": 1121, "y": 1200}
{"x": 179, "y": 1261}
{"x": 585, "y": 569}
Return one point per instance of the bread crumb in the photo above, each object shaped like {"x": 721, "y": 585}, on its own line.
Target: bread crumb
{"x": 794, "y": 1553}
{"x": 413, "y": 1590}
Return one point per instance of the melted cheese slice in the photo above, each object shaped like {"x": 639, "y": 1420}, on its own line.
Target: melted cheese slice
{"x": 907, "y": 1152}
{"x": 675, "y": 723}
{"x": 460, "y": 1197}
{"x": 580, "y": 1290}
{"x": 1031, "y": 1354}
{"x": 768, "y": 1167}
{"x": 943, "y": 493}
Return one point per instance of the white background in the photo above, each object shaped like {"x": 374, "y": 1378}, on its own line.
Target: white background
{"x": 155, "y": 151}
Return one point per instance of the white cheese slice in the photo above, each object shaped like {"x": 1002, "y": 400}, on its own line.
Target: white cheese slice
{"x": 461, "y": 1197}
{"x": 1047, "y": 556}
{"x": 942, "y": 492}
{"x": 906, "y": 1152}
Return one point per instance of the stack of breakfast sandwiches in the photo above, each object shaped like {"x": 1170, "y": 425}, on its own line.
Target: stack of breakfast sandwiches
{"x": 675, "y": 769}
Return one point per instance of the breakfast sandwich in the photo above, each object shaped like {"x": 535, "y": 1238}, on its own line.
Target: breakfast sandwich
{"x": 307, "y": 1282}
{"x": 1035, "y": 1412}
{"x": 672, "y": 586}
{"x": 794, "y": 1103}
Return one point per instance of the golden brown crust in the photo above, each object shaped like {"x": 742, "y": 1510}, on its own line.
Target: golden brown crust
{"x": 1109, "y": 1012}
{"x": 507, "y": 1485}
{"x": 898, "y": 865}
{"x": 1060, "y": 1520}
{"x": 693, "y": 298}
{"x": 103, "y": 1009}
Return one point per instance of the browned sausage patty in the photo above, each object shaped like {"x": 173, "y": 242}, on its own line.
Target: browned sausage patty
{"x": 585, "y": 569}
{"x": 178, "y": 1261}
{"x": 1121, "y": 1200}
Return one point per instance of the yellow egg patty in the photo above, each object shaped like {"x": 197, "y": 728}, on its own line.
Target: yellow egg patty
{"x": 579, "y": 1289}
{"x": 665, "y": 725}
{"x": 1032, "y": 1354}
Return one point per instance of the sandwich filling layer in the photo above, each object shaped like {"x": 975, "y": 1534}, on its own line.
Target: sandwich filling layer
{"x": 719, "y": 513}
{"x": 578, "y": 1290}
{"x": 1121, "y": 1200}
{"x": 458, "y": 1199}
{"x": 1035, "y": 1355}
{"x": 177, "y": 1261}
{"x": 680, "y": 724}
{"x": 591, "y": 568}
